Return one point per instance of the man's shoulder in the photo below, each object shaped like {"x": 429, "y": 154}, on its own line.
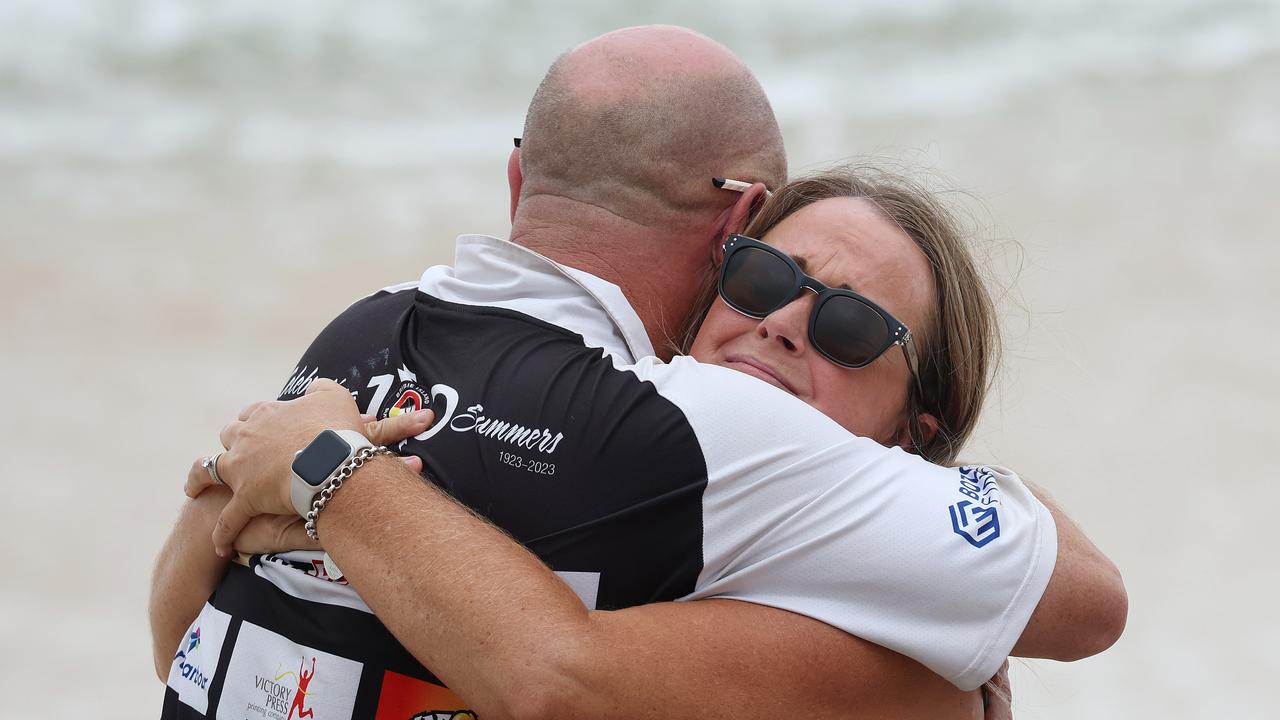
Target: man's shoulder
{"x": 385, "y": 301}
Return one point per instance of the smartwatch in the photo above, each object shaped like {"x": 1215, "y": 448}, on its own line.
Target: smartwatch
{"x": 316, "y": 465}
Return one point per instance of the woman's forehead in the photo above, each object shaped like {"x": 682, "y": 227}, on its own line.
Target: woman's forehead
{"x": 846, "y": 236}
{"x": 849, "y": 242}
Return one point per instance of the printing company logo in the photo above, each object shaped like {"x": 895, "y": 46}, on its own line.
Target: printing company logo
{"x": 189, "y": 670}
{"x": 300, "y": 695}
{"x": 273, "y": 678}
{"x": 286, "y": 692}
{"x": 411, "y": 396}
{"x": 976, "y": 518}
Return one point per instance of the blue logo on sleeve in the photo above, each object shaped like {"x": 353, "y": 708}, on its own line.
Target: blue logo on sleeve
{"x": 975, "y": 518}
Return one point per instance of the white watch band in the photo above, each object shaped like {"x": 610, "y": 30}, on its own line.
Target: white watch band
{"x": 303, "y": 494}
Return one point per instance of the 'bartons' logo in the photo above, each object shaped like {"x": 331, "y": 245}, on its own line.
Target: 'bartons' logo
{"x": 187, "y": 669}
{"x": 975, "y": 518}
{"x": 195, "y": 664}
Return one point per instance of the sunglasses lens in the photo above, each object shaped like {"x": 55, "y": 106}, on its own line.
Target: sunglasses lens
{"x": 849, "y": 331}
{"x": 757, "y": 282}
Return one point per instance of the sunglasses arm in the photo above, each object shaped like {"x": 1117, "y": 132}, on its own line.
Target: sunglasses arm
{"x": 913, "y": 362}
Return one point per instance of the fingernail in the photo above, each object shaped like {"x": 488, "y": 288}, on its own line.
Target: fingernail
{"x": 423, "y": 415}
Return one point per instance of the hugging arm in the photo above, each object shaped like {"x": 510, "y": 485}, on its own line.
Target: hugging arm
{"x": 506, "y": 634}
{"x": 510, "y": 637}
{"x": 1085, "y": 606}
{"x": 186, "y": 572}
{"x": 187, "y": 569}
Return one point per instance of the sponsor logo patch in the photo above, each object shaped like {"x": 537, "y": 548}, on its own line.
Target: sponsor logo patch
{"x": 976, "y": 517}
{"x": 406, "y": 698}
{"x": 196, "y": 661}
{"x": 273, "y": 678}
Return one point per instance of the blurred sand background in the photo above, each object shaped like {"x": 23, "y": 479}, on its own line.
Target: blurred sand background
{"x": 189, "y": 191}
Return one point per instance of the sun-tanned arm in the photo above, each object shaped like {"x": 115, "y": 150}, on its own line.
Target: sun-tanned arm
{"x": 506, "y": 634}
{"x": 1085, "y": 606}
{"x": 719, "y": 657}
{"x": 716, "y": 656}
{"x": 186, "y": 572}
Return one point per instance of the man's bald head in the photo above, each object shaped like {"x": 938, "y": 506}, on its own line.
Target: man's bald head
{"x": 638, "y": 121}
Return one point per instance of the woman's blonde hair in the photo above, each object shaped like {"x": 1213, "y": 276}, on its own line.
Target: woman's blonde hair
{"x": 959, "y": 348}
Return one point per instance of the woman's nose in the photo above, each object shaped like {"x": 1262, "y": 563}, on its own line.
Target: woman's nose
{"x": 789, "y": 324}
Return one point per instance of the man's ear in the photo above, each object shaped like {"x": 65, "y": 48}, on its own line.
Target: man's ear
{"x": 734, "y": 220}
{"x": 740, "y": 213}
{"x": 928, "y": 428}
{"x": 514, "y": 180}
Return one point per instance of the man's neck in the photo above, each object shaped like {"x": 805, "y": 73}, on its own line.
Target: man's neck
{"x": 659, "y": 285}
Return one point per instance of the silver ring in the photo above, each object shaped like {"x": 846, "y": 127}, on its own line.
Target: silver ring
{"x": 211, "y": 464}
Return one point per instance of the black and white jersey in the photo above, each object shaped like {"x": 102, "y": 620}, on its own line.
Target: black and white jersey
{"x": 637, "y": 481}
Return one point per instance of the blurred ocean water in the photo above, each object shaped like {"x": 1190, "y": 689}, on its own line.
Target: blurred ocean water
{"x": 189, "y": 190}
{"x": 411, "y": 84}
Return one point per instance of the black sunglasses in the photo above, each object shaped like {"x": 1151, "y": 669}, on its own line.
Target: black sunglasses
{"x": 847, "y": 328}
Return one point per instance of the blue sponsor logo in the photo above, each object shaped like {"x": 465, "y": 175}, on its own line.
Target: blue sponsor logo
{"x": 975, "y": 518}
{"x": 975, "y": 523}
{"x": 188, "y": 670}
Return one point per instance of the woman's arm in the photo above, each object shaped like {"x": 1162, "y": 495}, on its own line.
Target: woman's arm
{"x": 186, "y": 572}
{"x": 1084, "y": 608}
{"x": 187, "y": 569}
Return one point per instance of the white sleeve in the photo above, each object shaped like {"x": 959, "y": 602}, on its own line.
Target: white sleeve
{"x": 943, "y": 565}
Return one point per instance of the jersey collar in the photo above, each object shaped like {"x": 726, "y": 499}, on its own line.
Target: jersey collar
{"x": 491, "y": 271}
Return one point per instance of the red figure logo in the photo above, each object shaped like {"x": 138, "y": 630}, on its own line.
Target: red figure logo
{"x": 304, "y": 679}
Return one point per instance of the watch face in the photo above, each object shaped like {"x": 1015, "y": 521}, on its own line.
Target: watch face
{"x": 319, "y": 459}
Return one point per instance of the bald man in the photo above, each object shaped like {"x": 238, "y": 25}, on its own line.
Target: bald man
{"x": 553, "y": 425}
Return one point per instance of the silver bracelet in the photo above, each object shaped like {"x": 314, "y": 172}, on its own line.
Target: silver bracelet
{"x": 357, "y": 461}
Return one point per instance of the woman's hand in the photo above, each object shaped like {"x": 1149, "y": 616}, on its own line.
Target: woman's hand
{"x": 280, "y": 533}
{"x": 274, "y": 534}
{"x": 270, "y": 529}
